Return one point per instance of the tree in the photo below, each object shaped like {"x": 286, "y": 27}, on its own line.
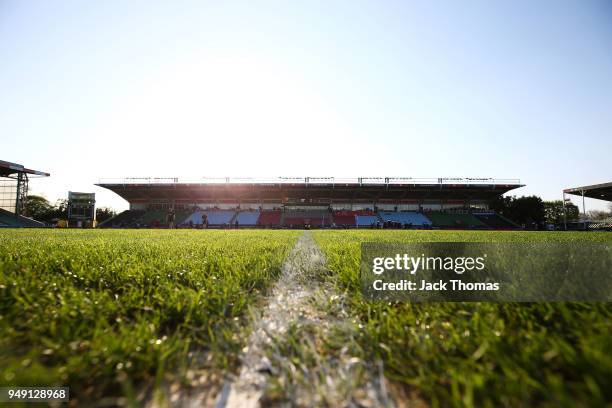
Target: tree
{"x": 501, "y": 205}
{"x": 104, "y": 213}
{"x": 39, "y": 208}
{"x": 597, "y": 215}
{"x": 553, "y": 211}
{"x": 60, "y": 210}
{"x": 526, "y": 210}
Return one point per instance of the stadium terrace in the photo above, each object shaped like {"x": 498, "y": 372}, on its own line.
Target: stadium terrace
{"x": 311, "y": 202}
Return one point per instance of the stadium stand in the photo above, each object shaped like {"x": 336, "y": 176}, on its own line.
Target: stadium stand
{"x": 195, "y": 218}
{"x": 451, "y": 220}
{"x": 271, "y": 218}
{"x": 180, "y": 216}
{"x": 348, "y": 218}
{"x": 344, "y": 218}
{"x": 215, "y": 217}
{"x": 406, "y": 218}
{"x": 303, "y": 202}
{"x": 158, "y": 218}
{"x": 297, "y": 222}
{"x": 247, "y": 217}
{"x": 219, "y": 217}
{"x": 153, "y": 218}
{"x": 126, "y": 218}
{"x": 366, "y": 220}
{"x": 314, "y": 218}
{"x": 8, "y": 219}
{"x": 364, "y": 212}
{"x": 495, "y": 220}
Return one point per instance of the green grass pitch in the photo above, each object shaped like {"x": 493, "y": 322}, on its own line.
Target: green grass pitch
{"x": 481, "y": 354}
{"x": 111, "y": 311}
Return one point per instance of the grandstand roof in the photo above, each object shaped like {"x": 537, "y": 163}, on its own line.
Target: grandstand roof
{"x": 310, "y": 189}
{"x": 598, "y": 191}
{"x": 8, "y": 168}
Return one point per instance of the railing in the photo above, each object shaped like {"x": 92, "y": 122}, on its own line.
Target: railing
{"x": 311, "y": 180}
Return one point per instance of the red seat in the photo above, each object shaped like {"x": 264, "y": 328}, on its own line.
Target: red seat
{"x": 344, "y": 219}
{"x": 301, "y": 221}
{"x": 272, "y": 218}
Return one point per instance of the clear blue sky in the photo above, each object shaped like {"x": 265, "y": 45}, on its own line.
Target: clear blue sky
{"x": 515, "y": 89}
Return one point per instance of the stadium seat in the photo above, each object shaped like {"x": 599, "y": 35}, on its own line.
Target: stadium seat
{"x": 366, "y": 220}
{"x": 495, "y": 221}
{"x": 159, "y": 218}
{"x": 195, "y": 218}
{"x": 8, "y": 219}
{"x": 215, "y": 217}
{"x": 299, "y": 218}
{"x": 219, "y": 217}
{"x": 348, "y": 217}
{"x": 365, "y": 212}
{"x": 247, "y": 217}
{"x": 180, "y": 216}
{"x": 450, "y": 220}
{"x": 153, "y": 218}
{"x": 406, "y": 218}
{"x": 271, "y": 218}
{"x": 344, "y": 219}
{"x": 303, "y": 221}
{"x": 123, "y": 219}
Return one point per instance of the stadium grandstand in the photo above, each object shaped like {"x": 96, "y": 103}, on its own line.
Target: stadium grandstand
{"x": 597, "y": 191}
{"x": 326, "y": 202}
{"x": 602, "y": 192}
{"x": 14, "y": 180}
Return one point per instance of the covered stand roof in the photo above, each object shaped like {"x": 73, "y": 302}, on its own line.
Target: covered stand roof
{"x": 598, "y": 191}
{"x": 8, "y": 168}
{"x": 304, "y": 190}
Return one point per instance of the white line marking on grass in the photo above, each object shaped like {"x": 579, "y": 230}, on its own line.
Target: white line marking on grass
{"x": 301, "y": 303}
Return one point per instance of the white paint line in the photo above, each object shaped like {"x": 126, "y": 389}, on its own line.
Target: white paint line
{"x": 292, "y": 302}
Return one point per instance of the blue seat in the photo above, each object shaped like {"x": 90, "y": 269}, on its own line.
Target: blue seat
{"x": 215, "y": 217}
{"x": 405, "y": 217}
{"x": 247, "y": 217}
{"x": 219, "y": 217}
{"x": 365, "y": 220}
